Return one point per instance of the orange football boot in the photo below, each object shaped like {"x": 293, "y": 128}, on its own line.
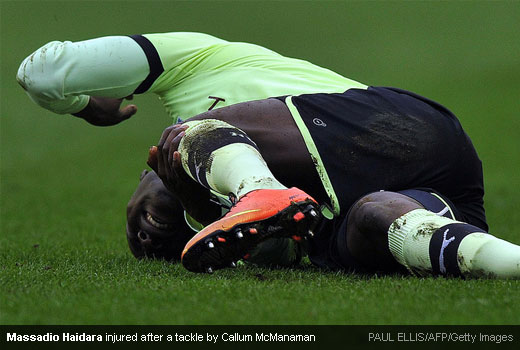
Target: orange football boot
{"x": 257, "y": 216}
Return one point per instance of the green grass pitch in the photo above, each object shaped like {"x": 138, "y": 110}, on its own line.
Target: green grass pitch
{"x": 65, "y": 184}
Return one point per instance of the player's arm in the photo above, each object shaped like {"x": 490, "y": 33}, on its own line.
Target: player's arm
{"x": 88, "y": 79}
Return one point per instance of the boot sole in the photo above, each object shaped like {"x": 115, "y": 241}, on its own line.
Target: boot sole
{"x": 222, "y": 249}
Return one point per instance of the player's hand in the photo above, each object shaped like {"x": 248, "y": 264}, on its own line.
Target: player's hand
{"x": 102, "y": 111}
{"x": 165, "y": 160}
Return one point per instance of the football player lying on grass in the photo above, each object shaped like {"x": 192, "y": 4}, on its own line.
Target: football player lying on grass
{"x": 190, "y": 72}
{"x": 401, "y": 198}
{"x": 339, "y": 142}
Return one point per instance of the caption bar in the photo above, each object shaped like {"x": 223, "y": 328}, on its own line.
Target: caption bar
{"x": 151, "y": 337}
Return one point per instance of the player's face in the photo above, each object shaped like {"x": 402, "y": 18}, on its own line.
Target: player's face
{"x": 155, "y": 220}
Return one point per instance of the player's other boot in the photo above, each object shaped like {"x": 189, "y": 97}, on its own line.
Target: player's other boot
{"x": 257, "y": 216}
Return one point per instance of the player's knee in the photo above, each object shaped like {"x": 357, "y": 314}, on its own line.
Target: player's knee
{"x": 375, "y": 212}
{"x": 365, "y": 213}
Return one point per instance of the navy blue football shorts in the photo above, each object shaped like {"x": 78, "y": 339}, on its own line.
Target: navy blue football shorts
{"x": 394, "y": 140}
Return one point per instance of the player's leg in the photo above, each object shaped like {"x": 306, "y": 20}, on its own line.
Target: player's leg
{"x": 361, "y": 242}
{"x": 270, "y": 125}
{"x": 387, "y": 230}
{"x": 225, "y": 159}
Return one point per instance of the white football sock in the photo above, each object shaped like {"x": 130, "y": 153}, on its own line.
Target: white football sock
{"x": 224, "y": 158}
{"x": 429, "y": 244}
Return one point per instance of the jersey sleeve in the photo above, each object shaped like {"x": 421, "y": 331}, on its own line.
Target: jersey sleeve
{"x": 60, "y": 76}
